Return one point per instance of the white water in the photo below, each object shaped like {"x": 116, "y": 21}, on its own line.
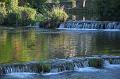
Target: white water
{"x": 84, "y": 3}
{"x": 90, "y": 25}
{"x": 21, "y": 75}
{"x": 76, "y": 29}
{"x": 111, "y": 66}
{"x": 54, "y": 73}
{"x": 87, "y": 69}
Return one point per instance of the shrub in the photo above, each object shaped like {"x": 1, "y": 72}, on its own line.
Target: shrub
{"x": 21, "y": 16}
{"x": 52, "y": 18}
{"x": 27, "y": 15}
{"x": 14, "y": 4}
{"x": 29, "y": 12}
{"x": 12, "y": 18}
{"x": 40, "y": 18}
{"x": 2, "y": 12}
{"x": 59, "y": 14}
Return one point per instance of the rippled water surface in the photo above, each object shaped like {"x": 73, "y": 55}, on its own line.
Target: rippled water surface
{"x": 38, "y": 45}
{"x": 20, "y": 45}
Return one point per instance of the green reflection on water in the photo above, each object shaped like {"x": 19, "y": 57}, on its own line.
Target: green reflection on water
{"x": 21, "y": 47}
{"x": 31, "y": 45}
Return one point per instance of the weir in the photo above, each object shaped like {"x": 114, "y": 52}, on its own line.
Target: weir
{"x": 90, "y": 25}
{"x": 59, "y": 65}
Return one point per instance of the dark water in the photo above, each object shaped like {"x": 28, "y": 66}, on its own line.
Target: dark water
{"x": 37, "y": 45}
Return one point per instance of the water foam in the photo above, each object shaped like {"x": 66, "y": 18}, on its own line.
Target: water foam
{"x": 21, "y": 74}
{"x": 87, "y": 69}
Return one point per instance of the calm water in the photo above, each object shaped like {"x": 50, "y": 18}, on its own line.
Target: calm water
{"x": 32, "y": 45}
{"x": 39, "y": 45}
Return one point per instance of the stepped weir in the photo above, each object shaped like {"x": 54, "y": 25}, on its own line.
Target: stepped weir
{"x": 59, "y": 65}
{"x": 90, "y": 25}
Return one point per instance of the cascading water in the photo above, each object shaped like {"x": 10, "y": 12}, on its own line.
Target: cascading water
{"x": 60, "y": 65}
{"x": 84, "y": 3}
{"x": 90, "y": 25}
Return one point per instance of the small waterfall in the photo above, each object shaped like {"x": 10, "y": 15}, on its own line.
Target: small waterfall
{"x": 90, "y": 25}
{"x": 106, "y": 63}
{"x": 84, "y": 3}
{"x": 60, "y": 65}
{"x": 31, "y": 67}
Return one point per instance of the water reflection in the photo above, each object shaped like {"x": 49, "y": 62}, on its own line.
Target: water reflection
{"x": 24, "y": 46}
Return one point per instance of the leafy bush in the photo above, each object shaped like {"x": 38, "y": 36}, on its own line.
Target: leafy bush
{"x": 12, "y": 18}
{"x": 40, "y": 18}
{"x": 14, "y": 4}
{"x": 2, "y": 13}
{"x": 52, "y": 18}
{"x": 59, "y": 14}
{"x": 32, "y": 3}
{"x": 21, "y": 16}
{"x": 27, "y": 13}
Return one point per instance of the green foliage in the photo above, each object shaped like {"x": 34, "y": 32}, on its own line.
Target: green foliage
{"x": 21, "y": 16}
{"x": 67, "y": 0}
{"x": 12, "y": 18}
{"x": 97, "y": 63}
{"x": 59, "y": 14}
{"x": 2, "y": 12}
{"x": 42, "y": 67}
{"x": 14, "y": 4}
{"x": 6, "y": 1}
{"x": 33, "y": 3}
{"x": 53, "y": 1}
{"x": 58, "y": 1}
{"x": 108, "y": 9}
{"x": 16, "y": 15}
{"x": 27, "y": 13}
{"x": 52, "y": 18}
{"x": 40, "y": 18}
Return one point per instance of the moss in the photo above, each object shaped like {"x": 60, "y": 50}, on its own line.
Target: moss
{"x": 97, "y": 63}
{"x": 44, "y": 67}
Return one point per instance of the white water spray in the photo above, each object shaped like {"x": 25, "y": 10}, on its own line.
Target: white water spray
{"x": 84, "y": 3}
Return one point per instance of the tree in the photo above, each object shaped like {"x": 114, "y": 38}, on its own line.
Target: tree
{"x": 31, "y": 2}
{"x": 6, "y": 1}
{"x": 108, "y": 9}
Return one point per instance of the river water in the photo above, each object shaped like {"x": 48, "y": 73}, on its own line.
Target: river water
{"x": 21, "y": 45}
